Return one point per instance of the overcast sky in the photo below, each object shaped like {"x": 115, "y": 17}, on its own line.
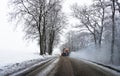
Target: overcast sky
{"x": 12, "y": 40}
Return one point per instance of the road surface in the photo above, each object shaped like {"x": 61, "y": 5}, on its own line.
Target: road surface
{"x": 72, "y": 67}
{"x": 69, "y": 67}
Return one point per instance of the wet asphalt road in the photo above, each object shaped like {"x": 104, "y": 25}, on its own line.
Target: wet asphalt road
{"x": 72, "y": 67}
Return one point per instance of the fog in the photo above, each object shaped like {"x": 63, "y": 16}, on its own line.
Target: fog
{"x": 93, "y": 54}
{"x": 100, "y": 55}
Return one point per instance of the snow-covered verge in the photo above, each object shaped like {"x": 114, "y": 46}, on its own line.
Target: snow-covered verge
{"x": 75, "y": 55}
{"x": 13, "y": 63}
{"x": 92, "y": 53}
{"x": 96, "y": 56}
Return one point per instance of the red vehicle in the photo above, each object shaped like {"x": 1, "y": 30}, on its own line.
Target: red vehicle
{"x": 65, "y": 52}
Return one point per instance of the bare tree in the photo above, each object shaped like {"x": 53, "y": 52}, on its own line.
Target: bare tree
{"x": 34, "y": 15}
{"x": 57, "y": 20}
{"x": 91, "y": 18}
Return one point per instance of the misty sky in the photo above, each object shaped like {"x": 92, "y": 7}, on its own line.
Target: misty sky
{"x": 11, "y": 39}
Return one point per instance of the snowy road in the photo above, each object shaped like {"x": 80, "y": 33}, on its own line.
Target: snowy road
{"x": 65, "y": 66}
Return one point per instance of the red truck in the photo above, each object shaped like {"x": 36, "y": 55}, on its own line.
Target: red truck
{"x": 65, "y": 52}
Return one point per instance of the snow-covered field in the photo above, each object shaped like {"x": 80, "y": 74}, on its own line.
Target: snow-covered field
{"x": 15, "y": 61}
{"x": 10, "y": 57}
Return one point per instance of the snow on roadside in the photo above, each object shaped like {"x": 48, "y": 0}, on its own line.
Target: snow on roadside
{"x": 11, "y": 57}
{"x": 105, "y": 68}
{"x": 19, "y": 62}
{"x": 116, "y": 67}
{"x": 98, "y": 64}
{"x": 93, "y": 54}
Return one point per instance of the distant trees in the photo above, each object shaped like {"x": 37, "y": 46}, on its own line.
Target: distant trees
{"x": 41, "y": 20}
{"x": 77, "y": 40}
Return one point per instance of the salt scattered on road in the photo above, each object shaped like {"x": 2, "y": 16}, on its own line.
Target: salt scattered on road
{"x": 48, "y": 69}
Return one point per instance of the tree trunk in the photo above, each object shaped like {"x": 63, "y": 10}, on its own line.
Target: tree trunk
{"x": 41, "y": 46}
{"x": 44, "y": 36}
{"x": 51, "y": 41}
{"x": 100, "y": 38}
{"x": 102, "y": 25}
{"x": 95, "y": 39}
{"x": 113, "y": 31}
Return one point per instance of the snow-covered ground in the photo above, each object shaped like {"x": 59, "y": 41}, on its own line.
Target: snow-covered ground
{"x": 11, "y": 57}
{"x": 100, "y": 59}
{"x": 94, "y": 58}
{"x": 13, "y": 61}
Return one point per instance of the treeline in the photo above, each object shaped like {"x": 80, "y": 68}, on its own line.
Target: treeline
{"x": 43, "y": 21}
{"x": 99, "y": 24}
